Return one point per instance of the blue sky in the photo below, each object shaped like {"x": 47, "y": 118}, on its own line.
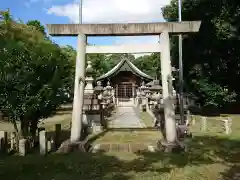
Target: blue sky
{"x": 94, "y": 11}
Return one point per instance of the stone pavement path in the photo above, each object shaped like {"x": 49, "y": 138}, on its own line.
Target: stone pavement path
{"x": 127, "y": 117}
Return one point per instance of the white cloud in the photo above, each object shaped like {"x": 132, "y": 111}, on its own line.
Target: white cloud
{"x": 137, "y": 40}
{"x": 112, "y": 11}
{"x": 115, "y": 11}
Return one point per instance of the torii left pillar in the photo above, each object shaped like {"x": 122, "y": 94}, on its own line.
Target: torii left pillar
{"x": 77, "y": 114}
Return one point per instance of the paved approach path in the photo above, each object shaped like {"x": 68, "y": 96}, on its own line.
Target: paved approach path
{"x": 127, "y": 117}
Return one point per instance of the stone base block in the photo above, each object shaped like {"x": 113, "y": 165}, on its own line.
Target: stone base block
{"x": 68, "y": 146}
{"x": 97, "y": 129}
{"x": 23, "y": 147}
{"x": 167, "y": 147}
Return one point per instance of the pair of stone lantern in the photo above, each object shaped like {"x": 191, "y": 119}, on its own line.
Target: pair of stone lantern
{"x": 104, "y": 93}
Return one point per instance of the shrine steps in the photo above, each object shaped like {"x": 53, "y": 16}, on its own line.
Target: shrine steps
{"x": 123, "y": 147}
{"x": 132, "y": 129}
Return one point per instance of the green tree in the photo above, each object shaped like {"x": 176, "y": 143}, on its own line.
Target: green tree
{"x": 70, "y": 53}
{"x": 37, "y": 25}
{"x": 99, "y": 64}
{"x": 34, "y": 76}
{"x": 211, "y": 56}
{"x": 5, "y": 16}
{"x": 150, "y": 64}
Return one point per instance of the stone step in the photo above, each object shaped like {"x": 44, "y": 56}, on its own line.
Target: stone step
{"x": 132, "y": 129}
{"x": 128, "y": 147}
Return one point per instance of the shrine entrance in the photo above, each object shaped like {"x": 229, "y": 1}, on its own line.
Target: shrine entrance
{"x": 124, "y": 29}
{"x": 125, "y": 94}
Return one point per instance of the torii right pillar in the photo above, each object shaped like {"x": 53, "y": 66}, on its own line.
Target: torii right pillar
{"x": 166, "y": 72}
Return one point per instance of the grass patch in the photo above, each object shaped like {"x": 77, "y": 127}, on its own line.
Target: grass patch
{"x": 64, "y": 121}
{"x": 62, "y": 116}
{"x": 147, "y": 119}
{"x": 212, "y": 156}
{"x": 6, "y": 126}
{"x": 209, "y": 158}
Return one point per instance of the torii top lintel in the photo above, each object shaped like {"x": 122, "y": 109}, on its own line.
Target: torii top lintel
{"x": 129, "y": 29}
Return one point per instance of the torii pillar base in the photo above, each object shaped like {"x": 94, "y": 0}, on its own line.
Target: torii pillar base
{"x": 168, "y": 147}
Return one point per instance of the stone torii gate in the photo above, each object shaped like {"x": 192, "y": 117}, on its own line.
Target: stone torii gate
{"x": 131, "y": 29}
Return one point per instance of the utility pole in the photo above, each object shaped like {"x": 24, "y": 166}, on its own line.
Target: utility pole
{"x": 80, "y": 11}
{"x": 181, "y": 104}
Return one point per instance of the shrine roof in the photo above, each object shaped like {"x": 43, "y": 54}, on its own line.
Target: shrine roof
{"x": 125, "y": 65}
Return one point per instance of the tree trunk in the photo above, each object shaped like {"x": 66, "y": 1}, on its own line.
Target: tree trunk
{"x": 33, "y": 129}
{"x": 24, "y": 128}
{"x": 17, "y": 134}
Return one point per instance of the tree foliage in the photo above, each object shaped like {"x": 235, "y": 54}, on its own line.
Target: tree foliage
{"x": 34, "y": 75}
{"x": 149, "y": 64}
{"x": 211, "y": 56}
{"x": 36, "y": 24}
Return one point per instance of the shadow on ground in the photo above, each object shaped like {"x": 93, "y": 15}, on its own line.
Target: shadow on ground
{"x": 208, "y": 158}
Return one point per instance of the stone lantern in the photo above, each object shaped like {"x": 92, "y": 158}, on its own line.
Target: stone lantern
{"x": 157, "y": 104}
{"x": 91, "y": 103}
{"x": 109, "y": 87}
{"x": 147, "y": 93}
{"x": 89, "y": 80}
{"x": 138, "y": 98}
{"x": 99, "y": 90}
{"x": 106, "y": 96}
{"x": 143, "y": 95}
{"x": 143, "y": 87}
{"x": 156, "y": 91}
{"x": 110, "y": 91}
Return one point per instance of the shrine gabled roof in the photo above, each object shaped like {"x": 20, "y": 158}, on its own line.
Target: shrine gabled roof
{"x": 129, "y": 66}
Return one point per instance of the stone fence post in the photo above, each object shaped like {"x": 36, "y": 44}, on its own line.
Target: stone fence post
{"x": 203, "y": 124}
{"x": 188, "y": 121}
{"x": 193, "y": 119}
{"x": 227, "y": 125}
{"x": 57, "y": 134}
{"x": 22, "y": 147}
{"x": 13, "y": 140}
{"x": 43, "y": 142}
{"x": 3, "y": 142}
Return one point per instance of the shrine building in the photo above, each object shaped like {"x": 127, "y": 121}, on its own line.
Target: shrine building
{"x": 125, "y": 78}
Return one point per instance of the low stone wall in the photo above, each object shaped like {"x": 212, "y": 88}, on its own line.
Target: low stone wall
{"x": 205, "y": 122}
{"x": 46, "y": 142}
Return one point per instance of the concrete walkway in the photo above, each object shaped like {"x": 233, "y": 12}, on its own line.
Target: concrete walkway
{"x": 127, "y": 117}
